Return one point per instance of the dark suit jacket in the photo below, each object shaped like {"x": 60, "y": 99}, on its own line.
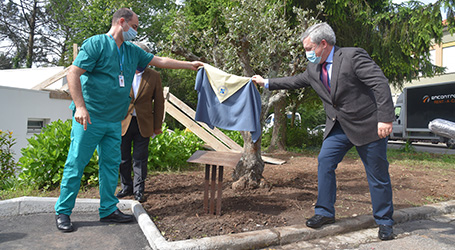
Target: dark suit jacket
{"x": 149, "y": 104}
{"x": 360, "y": 94}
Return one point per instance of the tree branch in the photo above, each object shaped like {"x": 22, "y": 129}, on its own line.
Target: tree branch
{"x": 186, "y": 54}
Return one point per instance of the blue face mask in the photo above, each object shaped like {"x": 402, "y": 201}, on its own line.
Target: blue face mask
{"x": 311, "y": 56}
{"x": 130, "y": 34}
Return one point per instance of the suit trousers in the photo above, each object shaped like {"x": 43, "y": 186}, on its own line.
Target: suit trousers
{"x": 139, "y": 159}
{"x": 106, "y": 138}
{"x": 374, "y": 158}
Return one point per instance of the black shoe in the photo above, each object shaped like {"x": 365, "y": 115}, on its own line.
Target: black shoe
{"x": 122, "y": 193}
{"x": 118, "y": 217}
{"x": 318, "y": 221}
{"x": 139, "y": 196}
{"x": 386, "y": 232}
{"x": 63, "y": 222}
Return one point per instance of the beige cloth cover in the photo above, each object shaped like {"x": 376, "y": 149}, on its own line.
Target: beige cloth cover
{"x": 223, "y": 84}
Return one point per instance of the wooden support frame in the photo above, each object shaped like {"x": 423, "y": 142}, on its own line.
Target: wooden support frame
{"x": 215, "y": 138}
{"x": 214, "y": 162}
{"x": 51, "y": 79}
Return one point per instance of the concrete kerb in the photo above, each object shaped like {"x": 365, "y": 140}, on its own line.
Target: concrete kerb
{"x": 282, "y": 235}
{"x": 247, "y": 240}
{"x": 33, "y": 205}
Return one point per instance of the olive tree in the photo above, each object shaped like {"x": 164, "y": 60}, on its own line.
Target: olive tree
{"x": 245, "y": 38}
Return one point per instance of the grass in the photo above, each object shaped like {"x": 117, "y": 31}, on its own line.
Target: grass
{"x": 406, "y": 157}
{"x": 440, "y": 161}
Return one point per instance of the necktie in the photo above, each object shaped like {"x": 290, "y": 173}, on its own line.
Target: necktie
{"x": 325, "y": 77}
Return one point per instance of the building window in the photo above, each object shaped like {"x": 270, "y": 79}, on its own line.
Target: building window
{"x": 34, "y": 126}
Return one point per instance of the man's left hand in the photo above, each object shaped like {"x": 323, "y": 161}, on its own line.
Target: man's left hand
{"x": 384, "y": 129}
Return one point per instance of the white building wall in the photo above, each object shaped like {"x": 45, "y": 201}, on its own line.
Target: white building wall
{"x": 19, "y": 105}
{"x": 29, "y": 78}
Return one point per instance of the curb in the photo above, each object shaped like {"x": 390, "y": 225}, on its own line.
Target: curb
{"x": 247, "y": 240}
{"x": 34, "y": 205}
{"x": 281, "y": 235}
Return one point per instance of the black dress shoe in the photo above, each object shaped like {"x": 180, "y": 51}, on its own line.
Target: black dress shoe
{"x": 118, "y": 217}
{"x": 63, "y": 222}
{"x": 386, "y": 232}
{"x": 122, "y": 193}
{"x": 139, "y": 196}
{"x": 318, "y": 221}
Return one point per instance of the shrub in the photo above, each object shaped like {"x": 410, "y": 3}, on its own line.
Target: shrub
{"x": 44, "y": 158}
{"x": 234, "y": 135}
{"x": 297, "y": 138}
{"x": 7, "y": 164}
{"x": 171, "y": 149}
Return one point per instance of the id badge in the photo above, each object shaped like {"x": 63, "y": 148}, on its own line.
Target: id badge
{"x": 121, "y": 81}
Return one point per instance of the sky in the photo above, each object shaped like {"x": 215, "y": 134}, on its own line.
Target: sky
{"x": 423, "y": 1}
{"x": 444, "y": 15}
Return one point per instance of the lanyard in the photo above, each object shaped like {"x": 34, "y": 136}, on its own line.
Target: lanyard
{"x": 119, "y": 55}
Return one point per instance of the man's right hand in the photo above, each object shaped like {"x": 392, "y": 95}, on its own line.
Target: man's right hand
{"x": 257, "y": 79}
{"x": 82, "y": 117}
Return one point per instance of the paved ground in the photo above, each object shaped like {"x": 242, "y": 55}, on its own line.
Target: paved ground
{"x": 38, "y": 232}
{"x": 436, "y": 233}
{"x": 22, "y": 227}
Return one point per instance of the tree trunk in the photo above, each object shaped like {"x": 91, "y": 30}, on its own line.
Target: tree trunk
{"x": 248, "y": 172}
{"x": 31, "y": 35}
{"x": 278, "y": 141}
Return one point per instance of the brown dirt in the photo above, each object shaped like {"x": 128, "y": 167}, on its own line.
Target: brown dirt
{"x": 175, "y": 200}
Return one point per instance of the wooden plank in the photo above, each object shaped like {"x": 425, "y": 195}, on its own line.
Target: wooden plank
{"x": 166, "y": 97}
{"x": 220, "y": 190}
{"x": 228, "y": 159}
{"x": 75, "y": 51}
{"x": 52, "y": 79}
{"x": 58, "y": 94}
{"x": 215, "y": 131}
{"x": 212, "y": 190}
{"x": 273, "y": 160}
{"x": 195, "y": 128}
{"x": 206, "y": 188}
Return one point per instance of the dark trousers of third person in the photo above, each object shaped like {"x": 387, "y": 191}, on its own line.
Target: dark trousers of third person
{"x": 138, "y": 160}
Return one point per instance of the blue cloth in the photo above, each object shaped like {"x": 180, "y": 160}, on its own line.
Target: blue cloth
{"x": 240, "y": 112}
{"x": 374, "y": 157}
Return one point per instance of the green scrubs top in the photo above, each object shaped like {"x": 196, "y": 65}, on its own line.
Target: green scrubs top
{"x": 99, "y": 55}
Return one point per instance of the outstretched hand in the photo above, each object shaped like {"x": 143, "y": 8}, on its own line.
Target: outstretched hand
{"x": 257, "y": 79}
{"x": 196, "y": 64}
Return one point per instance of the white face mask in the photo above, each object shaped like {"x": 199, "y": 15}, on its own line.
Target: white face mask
{"x": 130, "y": 34}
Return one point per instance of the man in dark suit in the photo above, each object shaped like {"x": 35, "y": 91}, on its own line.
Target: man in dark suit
{"x": 144, "y": 119}
{"x": 359, "y": 112}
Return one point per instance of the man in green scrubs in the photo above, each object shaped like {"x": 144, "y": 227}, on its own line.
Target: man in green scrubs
{"x": 100, "y": 81}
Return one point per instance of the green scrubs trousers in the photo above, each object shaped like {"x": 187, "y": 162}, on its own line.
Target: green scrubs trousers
{"x": 106, "y": 137}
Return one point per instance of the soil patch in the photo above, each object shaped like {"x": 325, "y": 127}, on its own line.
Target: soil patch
{"x": 174, "y": 200}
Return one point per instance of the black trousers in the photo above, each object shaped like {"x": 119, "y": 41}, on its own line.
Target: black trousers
{"x": 137, "y": 161}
